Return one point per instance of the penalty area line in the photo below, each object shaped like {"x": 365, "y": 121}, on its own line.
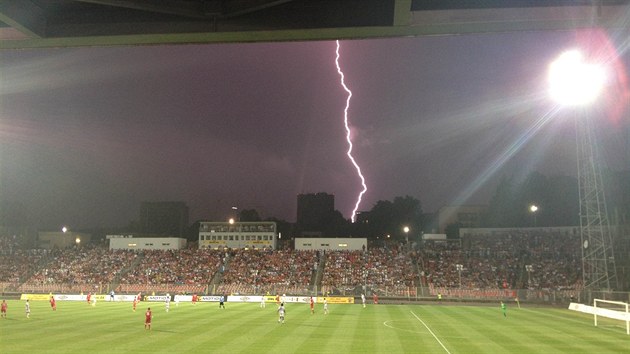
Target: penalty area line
{"x": 430, "y": 331}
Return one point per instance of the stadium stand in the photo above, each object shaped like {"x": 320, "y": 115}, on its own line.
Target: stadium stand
{"x": 492, "y": 265}
{"x": 282, "y": 271}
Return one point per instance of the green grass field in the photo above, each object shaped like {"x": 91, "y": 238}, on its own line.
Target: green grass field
{"x": 246, "y": 328}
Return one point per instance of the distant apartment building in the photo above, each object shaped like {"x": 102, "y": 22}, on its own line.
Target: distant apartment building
{"x": 164, "y": 218}
{"x": 254, "y": 235}
{"x": 313, "y": 211}
{"x": 467, "y": 216}
{"x": 61, "y": 239}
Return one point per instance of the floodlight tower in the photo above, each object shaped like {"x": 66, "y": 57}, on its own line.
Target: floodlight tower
{"x": 574, "y": 82}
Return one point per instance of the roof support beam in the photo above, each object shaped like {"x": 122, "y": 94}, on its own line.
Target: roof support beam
{"x": 24, "y": 16}
{"x": 402, "y": 12}
{"x": 421, "y": 23}
{"x": 205, "y": 10}
{"x": 241, "y": 7}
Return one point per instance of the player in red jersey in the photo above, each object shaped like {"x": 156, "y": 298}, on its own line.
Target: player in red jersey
{"x": 147, "y": 319}
{"x": 312, "y": 306}
{"x": 89, "y": 298}
{"x": 375, "y": 298}
{"x": 3, "y": 309}
{"x": 277, "y": 299}
{"x": 53, "y": 304}
{"x": 194, "y": 299}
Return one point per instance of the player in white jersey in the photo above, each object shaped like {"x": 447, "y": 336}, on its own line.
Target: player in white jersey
{"x": 167, "y": 302}
{"x": 325, "y": 306}
{"x": 27, "y": 307}
{"x": 363, "y": 300}
{"x": 281, "y": 312}
{"x": 263, "y": 304}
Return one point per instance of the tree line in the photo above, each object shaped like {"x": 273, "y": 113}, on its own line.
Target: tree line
{"x": 556, "y": 199}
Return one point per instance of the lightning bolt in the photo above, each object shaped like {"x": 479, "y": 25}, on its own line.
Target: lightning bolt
{"x": 348, "y": 133}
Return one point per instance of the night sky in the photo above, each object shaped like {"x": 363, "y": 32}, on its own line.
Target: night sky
{"x": 87, "y": 134}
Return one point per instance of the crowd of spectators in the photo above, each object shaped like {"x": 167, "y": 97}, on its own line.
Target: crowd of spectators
{"x": 501, "y": 260}
{"x": 268, "y": 269}
{"x": 511, "y": 259}
{"x": 179, "y": 267}
{"x": 375, "y": 267}
{"x": 16, "y": 264}
{"x": 81, "y": 268}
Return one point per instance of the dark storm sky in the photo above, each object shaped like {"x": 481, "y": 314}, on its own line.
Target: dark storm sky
{"x": 88, "y": 134}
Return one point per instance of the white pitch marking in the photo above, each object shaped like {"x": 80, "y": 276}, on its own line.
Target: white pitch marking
{"x": 430, "y": 331}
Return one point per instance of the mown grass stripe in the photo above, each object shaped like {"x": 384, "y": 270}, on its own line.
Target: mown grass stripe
{"x": 364, "y": 329}
{"x": 246, "y": 328}
{"x": 577, "y": 331}
{"x": 447, "y": 322}
{"x": 431, "y": 332}
{"x": 453, "y": 325}
{"x": 466, "y": 327}
{"x": 397, "y": 328}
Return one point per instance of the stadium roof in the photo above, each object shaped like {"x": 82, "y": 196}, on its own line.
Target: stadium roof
{"x": 70, "y": 23}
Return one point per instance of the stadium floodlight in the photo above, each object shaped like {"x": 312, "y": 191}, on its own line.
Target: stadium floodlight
{"x": 573, "y": 81}
{"x": 576, "y": 82}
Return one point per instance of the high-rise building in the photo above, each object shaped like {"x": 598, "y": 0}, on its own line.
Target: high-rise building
{"x": 314, "y": 210}
{"x": 164, "y": 218}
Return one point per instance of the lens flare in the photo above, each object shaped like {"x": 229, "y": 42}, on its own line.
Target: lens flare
{"x": 599, "y": 49}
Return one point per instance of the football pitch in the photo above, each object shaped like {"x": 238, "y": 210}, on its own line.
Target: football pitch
{"x": 246, "y": 328}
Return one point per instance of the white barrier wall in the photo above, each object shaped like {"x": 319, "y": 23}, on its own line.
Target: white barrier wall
{"x": 106, "y": 298}
{"x": 147, "y": 243}
{"x": 333, "y": 244}
{"x": 236, "y": 298}
{"x": 188, "y": 298}
{"x": 618, "y": 315}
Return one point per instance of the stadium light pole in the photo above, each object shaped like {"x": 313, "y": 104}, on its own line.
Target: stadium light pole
{"x": 533, "y": 209}
{"x": 529, "y": 268}
{"x": 406, "y": 230}
{"x": 235, "y": 211}
{"x": 574, "y": 82}
{"x": 459, "y": 268}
